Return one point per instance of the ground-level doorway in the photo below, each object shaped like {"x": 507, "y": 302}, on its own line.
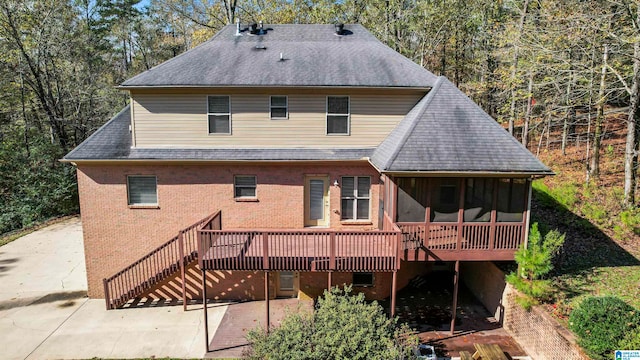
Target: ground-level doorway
{"x": 287, "y": 284}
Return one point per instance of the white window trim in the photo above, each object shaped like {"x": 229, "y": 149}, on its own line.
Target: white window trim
{"x": 142, "y": 205}
{"x": 348, "y": 115}
{"x": 286, "y": 107}
{"x": 218, "y": 114}
{"x": 244, "y": 186}
{"x": 355, "y": 197}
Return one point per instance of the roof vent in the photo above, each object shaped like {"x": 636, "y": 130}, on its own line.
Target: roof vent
{"x": 238, "y": 32}
{"x": 261, "y": 31}
{"x": 253, "y": 28}
{"x": 339, "y": 29}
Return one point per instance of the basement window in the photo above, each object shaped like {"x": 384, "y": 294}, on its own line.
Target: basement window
{"x": 278, "y": 108}
{"x": 244, "y": 186}
{"x": 142, "y": 190}
{"x": 363, "y": 279}
{"x": 219, "y": 114}
{"x": 338, "y": 115}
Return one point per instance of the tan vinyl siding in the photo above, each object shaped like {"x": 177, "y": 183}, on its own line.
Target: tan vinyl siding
{"x": 180, "y": 119}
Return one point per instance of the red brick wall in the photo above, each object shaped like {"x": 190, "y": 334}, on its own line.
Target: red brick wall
{"x": 249, "y": 285}
{"x": 115, "y": 235}
{"x": 313, "y": 284}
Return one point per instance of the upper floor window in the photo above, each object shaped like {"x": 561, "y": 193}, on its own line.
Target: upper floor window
{"x": 219, "y": 114}
{"x": 244, "y": 186}
{"x": 355, "y": 194}
{"x": 142, "y": 190}
{"x": 337, "y": 115}
{"x": 278, "y": 108}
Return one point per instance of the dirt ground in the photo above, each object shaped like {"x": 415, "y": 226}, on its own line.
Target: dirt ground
{"x": 425, "y": 305}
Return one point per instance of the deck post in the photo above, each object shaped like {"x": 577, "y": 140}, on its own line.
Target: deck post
{"x": 394, "y": 290}
{"x": 204, "y": 306}
{"x": 107, "y": 297}
{"x": 182, "y": 270}
{"x": 460, "y": 216}
{"x": 329, "y": 280}
{"x": 266, "y": 299}
{"x": 456, "y": 280}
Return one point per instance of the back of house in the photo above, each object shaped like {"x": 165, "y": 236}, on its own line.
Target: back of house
{"x": 278, "y": 160}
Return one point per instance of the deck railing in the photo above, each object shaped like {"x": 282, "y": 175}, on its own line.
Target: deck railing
{"x": 155, "y": 266}
{"x": 473, "y": 236}
{"x": 300, "y": 250}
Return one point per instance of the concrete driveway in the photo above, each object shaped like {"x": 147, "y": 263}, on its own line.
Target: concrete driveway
{"x": 45, "y": 314}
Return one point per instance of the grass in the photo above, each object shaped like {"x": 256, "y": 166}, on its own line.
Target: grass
{"x": 601, "y": 255}
{"x": 14, "y": 235}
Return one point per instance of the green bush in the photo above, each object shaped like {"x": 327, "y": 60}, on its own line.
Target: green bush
{"x": 601, "y": 323}
{"x": 343, "y": 326}
{"x": 631, "y": 341}
{"x": 290, "y": 340}
{"x": 631, "y": 220}
{"x": 595, "y": 212}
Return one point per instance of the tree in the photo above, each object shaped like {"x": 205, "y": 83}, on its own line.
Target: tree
{"x": 343, "y": 326}
{"x": 534, "y": 262}
{"x": 594, "y": 168}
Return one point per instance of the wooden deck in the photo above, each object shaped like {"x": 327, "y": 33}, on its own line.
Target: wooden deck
{"x": 338, "y": 250}
{"x": 300, "y": 250}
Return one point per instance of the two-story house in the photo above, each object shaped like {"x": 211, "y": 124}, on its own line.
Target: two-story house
{"x": 277, "y": 161}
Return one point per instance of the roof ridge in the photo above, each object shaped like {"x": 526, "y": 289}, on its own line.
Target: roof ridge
{"x": 414, "y": 122}
{"x": 99, "y": 131}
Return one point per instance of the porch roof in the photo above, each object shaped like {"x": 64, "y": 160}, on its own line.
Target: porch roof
{"x": 447, "y": 132}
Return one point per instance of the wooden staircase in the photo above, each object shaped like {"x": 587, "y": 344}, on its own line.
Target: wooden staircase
{"x": 161, "y": 263}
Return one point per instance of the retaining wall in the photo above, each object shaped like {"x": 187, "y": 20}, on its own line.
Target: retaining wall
{"x": 539, "y": 334}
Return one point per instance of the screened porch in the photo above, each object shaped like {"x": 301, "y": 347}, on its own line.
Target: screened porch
{"x": 474, "y": 218}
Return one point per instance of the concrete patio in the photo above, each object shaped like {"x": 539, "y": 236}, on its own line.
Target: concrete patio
{"x": 45, "y": 314}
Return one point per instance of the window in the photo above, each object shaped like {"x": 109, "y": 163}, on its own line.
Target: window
{"x": 278, "y": 108}
{"x": 244, "y": 186}
{"x": 337, "y": 115}
{"x": 362, "y": 279}
{"x": 219, "y": 114}
{"x": 355, "y": 194}
{"x": 142, "y": 190}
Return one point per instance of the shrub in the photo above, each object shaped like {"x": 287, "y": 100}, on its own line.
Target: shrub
{"x": 631, "y": 220}
{"x": 631, "y": 341}
{"x": 534, "y": 262}
{"x": 290, "y": 340}
{"x": 343, "y": 326}
{"x": 601, "y": 323}
{"x": 595, "y": 212}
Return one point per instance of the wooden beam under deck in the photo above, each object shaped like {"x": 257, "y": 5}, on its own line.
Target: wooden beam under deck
{"x": 462, "y": 255}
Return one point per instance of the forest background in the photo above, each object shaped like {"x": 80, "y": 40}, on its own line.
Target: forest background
{"x": 550, "y": 71}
